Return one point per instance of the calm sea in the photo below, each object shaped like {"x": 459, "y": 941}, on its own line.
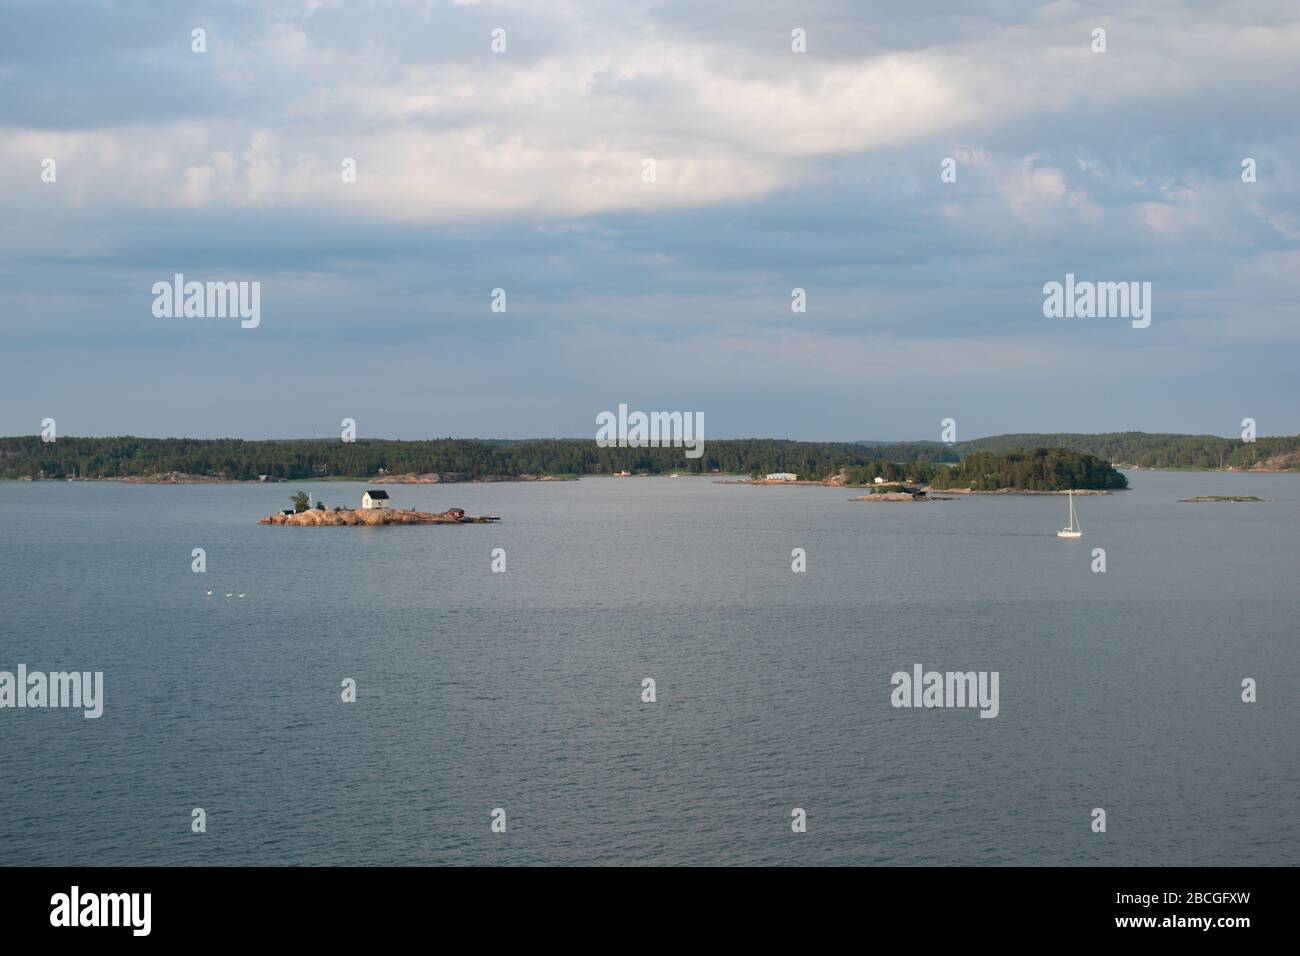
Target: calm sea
{"x": 478, "y": 690}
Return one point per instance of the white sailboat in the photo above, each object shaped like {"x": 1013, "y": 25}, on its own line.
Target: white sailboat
{"x": 1075, "y": 530}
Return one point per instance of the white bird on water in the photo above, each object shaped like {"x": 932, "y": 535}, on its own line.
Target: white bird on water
{"x": 209, "y": 594}
{"x": 243, "y": 595}
{"x": 231, "y": 594}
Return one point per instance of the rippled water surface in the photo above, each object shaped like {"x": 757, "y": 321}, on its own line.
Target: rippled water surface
{"x": 522, "y": 690}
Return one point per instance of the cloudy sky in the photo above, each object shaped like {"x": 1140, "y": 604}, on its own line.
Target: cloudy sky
{"x": 523, "y": 170}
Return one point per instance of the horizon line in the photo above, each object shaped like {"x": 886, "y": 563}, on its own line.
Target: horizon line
{"x": 804, "y": 441}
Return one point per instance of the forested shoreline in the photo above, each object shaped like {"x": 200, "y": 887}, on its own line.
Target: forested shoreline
{"x": 934, "y": 463}
{"x": 1038, "y": 469}
{"x": 1122, "y": 449}
{"x": 455, "y": 459}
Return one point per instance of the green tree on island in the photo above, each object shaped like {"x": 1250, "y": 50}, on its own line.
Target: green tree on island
{"x": 301, "y": 502}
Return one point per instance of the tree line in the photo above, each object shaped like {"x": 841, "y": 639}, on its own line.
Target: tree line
{"x": 1038, "y": 469}
{"x": 1119, "y": 448}
{"x": 235, "y": 459}
{"x": 302, "y": 459}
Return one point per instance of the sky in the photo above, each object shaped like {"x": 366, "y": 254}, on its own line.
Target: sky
{"x": 525, "y": 170}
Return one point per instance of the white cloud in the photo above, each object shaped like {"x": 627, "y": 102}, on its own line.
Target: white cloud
{"x": 564, "y": 134}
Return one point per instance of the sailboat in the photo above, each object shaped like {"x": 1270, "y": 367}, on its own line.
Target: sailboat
{"x": 1075, "y": 530}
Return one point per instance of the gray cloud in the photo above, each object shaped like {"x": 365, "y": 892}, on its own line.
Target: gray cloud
{"x": 776, "y": 170}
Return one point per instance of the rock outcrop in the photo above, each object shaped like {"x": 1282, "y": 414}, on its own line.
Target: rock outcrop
{"x": 898, "y": 496}
{"x": 315, "y": 517}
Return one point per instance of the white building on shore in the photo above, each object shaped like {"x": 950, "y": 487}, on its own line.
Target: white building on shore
{"x": 374, "y": 499}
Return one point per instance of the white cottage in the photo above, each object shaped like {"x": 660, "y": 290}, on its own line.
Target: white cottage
{"x": 374, "y": 499}
{"x": 781, "y": 476}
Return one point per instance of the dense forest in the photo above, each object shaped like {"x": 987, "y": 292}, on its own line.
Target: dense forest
{"x": 455, "y": 458}
{"x": 914, "y": 451}
{"x": 917, "y": 462}
{"x": 1119, "y": 448}
{"x": 911, "y": 472}
{"x": 1040, "y": 469}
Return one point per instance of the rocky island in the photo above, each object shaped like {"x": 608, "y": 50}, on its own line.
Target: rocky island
{"x": 1201, "y": 498}
{"x": 899, "y": 496}
{"x": 316, "y": 518}
{"x": 906, "y": 494}
{"x": 374, "y": 511}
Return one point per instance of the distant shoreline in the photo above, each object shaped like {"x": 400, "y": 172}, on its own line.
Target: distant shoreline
{"x": 1076, "y": 457}
{"x": 1028, "y": 491}
{"x": 212, "y": 480}
{"x": 721, "y": 479}
{"x": 927, "y": 489}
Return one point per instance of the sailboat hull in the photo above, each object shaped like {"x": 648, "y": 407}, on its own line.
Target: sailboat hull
{"x": 1067, "y": 533}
